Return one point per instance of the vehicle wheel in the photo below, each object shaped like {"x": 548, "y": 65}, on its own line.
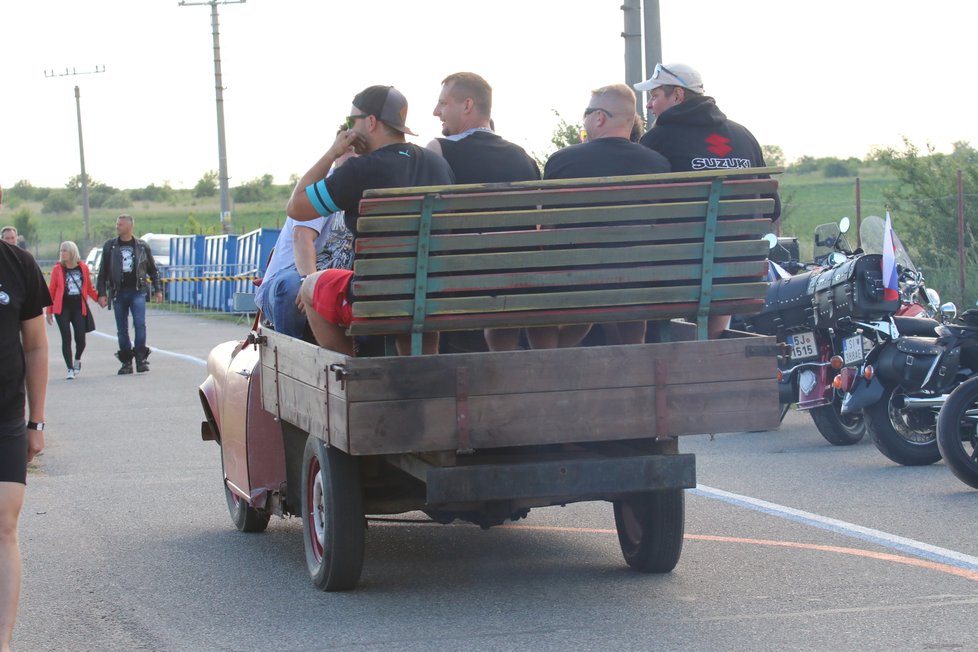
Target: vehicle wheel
{"x": 907, "y": 437}
{"x": 650, "y": 529}
{"x": 333, "y": 523}
{"x": 245, "y": 517}
{"x": 838, "y": 429}
{"x": 784, "y": 411}
{"x": 957, "y": 432}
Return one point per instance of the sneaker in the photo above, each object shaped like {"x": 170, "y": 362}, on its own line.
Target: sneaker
{"x": 71, "y": 375}
{"x": 77, "y": 367}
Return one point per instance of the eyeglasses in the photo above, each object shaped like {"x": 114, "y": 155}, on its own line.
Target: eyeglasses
{"x": 591, "y": 109}
{"x": 659, "y": 68}
{"x": 350, "y": 119}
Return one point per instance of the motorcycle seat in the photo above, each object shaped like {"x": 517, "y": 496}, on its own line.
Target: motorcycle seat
{"x": 922, "y": 326}
{"x": 919, "y": 346}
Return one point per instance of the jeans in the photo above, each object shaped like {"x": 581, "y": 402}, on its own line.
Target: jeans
{"x": 277, "y": 301}
{"x": 125, "y": 301}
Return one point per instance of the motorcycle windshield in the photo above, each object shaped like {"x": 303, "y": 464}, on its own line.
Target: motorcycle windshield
{"x": 826, "y": 238}
{"x": 871, "y": 236}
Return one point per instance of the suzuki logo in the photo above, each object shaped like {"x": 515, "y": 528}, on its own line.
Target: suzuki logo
{"x": 719, "y": 145}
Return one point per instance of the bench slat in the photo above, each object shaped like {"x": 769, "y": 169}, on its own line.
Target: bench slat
{"x": 519, "y": 319}
{"x": 364, "y": 289}
{"x": 549, "y": 301}
{"x": 617, "y": 234}
{"x": 576, "y": 257}
{"x": 503, "y": 220}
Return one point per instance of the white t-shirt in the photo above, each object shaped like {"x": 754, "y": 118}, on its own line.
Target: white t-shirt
{"x": 284, "y": 255}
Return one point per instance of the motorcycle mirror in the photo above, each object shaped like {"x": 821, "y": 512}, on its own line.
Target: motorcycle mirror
{"x": 837, "y": 258}
{"x": 949, "y": 310}
{"x": 933, "y": 296}
{"x": 771, "y": 240}
{"x": 844, "y": 225}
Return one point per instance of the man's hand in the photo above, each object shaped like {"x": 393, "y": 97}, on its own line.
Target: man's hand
{"x": 103, "y": 301}
{"x": 50, "y": 318}
{"x": 158, "y": 297}
{"x": 35, "y": 443}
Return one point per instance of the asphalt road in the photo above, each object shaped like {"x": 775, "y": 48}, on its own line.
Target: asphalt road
{"x": 790, "y": 544}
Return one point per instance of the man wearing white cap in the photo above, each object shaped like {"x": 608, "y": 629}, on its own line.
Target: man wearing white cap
{"x": 694, "y": 134}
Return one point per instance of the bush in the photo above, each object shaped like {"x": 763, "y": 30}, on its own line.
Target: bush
{"x": 152, "y": 192}
{"x": 58, "y": 202}
{"x": 22, "y": 190}
{"x": 206, "y": 185}
{"x": 255, "y": 190}
{"x": 26, "y": 227}
{"x": 836, "y": 169}
{"x": 118, "y": 200}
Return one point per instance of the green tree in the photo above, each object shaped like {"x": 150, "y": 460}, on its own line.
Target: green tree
{"x": 773, "y": 155}
{"x": 152, "y": 192}
{"x": 206, "y": 185}
{"x": 563, "y": 135}
{"x": 256, "y": 190}
{"x": 925, "y": 202}
{"x": 26, "y": 226}
{"x": 22, "y": 190}
{"x": 61, "y": 201}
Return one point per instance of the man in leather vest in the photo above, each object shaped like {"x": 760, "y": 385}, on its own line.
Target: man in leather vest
{"x": 127, "y": 264}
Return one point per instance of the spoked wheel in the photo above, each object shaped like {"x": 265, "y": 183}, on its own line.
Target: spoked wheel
{"x": 332, "y": 509}
{"x": 245, "y": 517}
{"x": 650, "y": 529}
{"x": 837, "y": 428}
{"x": 957, "y": 432}
{"x": 906, "y": 436}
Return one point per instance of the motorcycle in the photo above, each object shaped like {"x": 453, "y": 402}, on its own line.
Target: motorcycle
{"x": 957, "y": 421}
{"x": 812, "y": 313}
{"x": 913, "y": 362}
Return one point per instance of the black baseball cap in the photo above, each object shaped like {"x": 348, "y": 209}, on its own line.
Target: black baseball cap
{"x": 387, "y": 104}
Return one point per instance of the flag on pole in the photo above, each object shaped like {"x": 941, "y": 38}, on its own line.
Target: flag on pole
{"x": 891, "y": 285}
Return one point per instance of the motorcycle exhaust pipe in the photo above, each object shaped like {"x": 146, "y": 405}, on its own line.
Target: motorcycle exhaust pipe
{"x": 914, "y": 403}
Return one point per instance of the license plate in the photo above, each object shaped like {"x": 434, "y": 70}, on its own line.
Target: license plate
{"x": 802, "y": 346}
{"x": 852, "y": 349}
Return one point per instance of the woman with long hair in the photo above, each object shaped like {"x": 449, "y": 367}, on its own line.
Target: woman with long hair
{"x": 71, "y": 284}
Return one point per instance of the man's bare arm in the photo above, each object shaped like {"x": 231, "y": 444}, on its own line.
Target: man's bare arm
{"x": 35, "y": 342}
{"x": 304, "y": 245}
{"x": 434, "y": 146}
{"x": 299, "y": 207}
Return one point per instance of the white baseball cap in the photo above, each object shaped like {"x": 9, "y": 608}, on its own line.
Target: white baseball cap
{"x": 675, "y": 74}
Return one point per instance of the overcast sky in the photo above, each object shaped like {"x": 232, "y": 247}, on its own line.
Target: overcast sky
{"x": 828, "y": 78}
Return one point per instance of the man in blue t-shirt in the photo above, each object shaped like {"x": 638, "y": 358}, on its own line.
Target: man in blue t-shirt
{"x": 375, "y": 128}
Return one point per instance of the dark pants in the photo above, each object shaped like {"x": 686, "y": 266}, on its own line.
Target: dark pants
{"x": 125, "y": 301}
{"x": 71, "y": 318}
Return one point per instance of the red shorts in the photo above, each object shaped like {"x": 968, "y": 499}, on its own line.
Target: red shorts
{"x": 330, "y": 298}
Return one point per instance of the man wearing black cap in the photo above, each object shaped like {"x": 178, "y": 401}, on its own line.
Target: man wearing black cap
{"x": 375, "y": 128}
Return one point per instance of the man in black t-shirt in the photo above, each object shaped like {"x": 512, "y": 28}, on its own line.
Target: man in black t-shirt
{"x": 477, "y": 155}
{"x": 23, "y": 375}
{"x": 608, "y": 152}
{"x": 375, "y": 128}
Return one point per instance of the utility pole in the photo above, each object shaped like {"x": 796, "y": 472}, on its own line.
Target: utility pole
{"x": 81, "y": 143}
{"x": 639, "y": 13}
{"x": 222, "y": 156}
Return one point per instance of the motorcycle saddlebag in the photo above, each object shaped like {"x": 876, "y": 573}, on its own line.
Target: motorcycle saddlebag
{"x": 852, "y": 290}
{"x": 907, "y": 361}
{"x": 787, "y": 307}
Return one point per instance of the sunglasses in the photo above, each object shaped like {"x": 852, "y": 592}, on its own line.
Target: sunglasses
{"x": 350, "y": 119}
{"x": 659, "y": 68}
{"x": 591, "y": 109}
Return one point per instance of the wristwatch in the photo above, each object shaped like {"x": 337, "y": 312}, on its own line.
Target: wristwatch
{"x": 33, "y": 425}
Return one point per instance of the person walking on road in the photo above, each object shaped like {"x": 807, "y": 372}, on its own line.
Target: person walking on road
{"x": 71, "y": 285}
{"x": 127, "y": 264}
{"x": 23, "y": 379}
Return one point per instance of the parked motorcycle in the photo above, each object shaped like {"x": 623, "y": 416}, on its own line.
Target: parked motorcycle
{"x": 914, "y": 361}
{"x": 813, "y": 314}
{"x": 957, "y": 422}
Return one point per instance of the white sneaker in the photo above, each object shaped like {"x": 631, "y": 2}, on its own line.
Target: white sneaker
{"x": 71, "y": 375}
{"x": 77, "y": 367}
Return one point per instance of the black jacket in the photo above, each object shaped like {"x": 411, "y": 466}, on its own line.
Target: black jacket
{"x": 110, "y": 268}
{"x": 696, "y": 135}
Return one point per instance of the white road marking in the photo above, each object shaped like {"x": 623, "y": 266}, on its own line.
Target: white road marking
{"x": 878, "y": 537}
{"x": 180, "y": 356}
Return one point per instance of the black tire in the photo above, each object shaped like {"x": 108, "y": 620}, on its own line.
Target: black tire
{"x": 332, "y": 510}
{"x": 957, "y": 432}
{"x": 838, "y": 429}
{"x": 784, "y": 411}
{"x": 907, "y": 437}
{"x": 650, "y": 529}
{"x": 245, "y": 517}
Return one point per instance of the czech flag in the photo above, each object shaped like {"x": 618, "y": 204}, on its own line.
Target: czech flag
{"x": 891, "y": 285}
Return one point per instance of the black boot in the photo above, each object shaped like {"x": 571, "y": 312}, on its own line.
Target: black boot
{"x": 142, "y": 353}
{"x": 125, "y": 357}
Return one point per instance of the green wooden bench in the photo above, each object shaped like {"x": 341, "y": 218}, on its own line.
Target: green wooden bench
{"x": 616, "y": 249}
